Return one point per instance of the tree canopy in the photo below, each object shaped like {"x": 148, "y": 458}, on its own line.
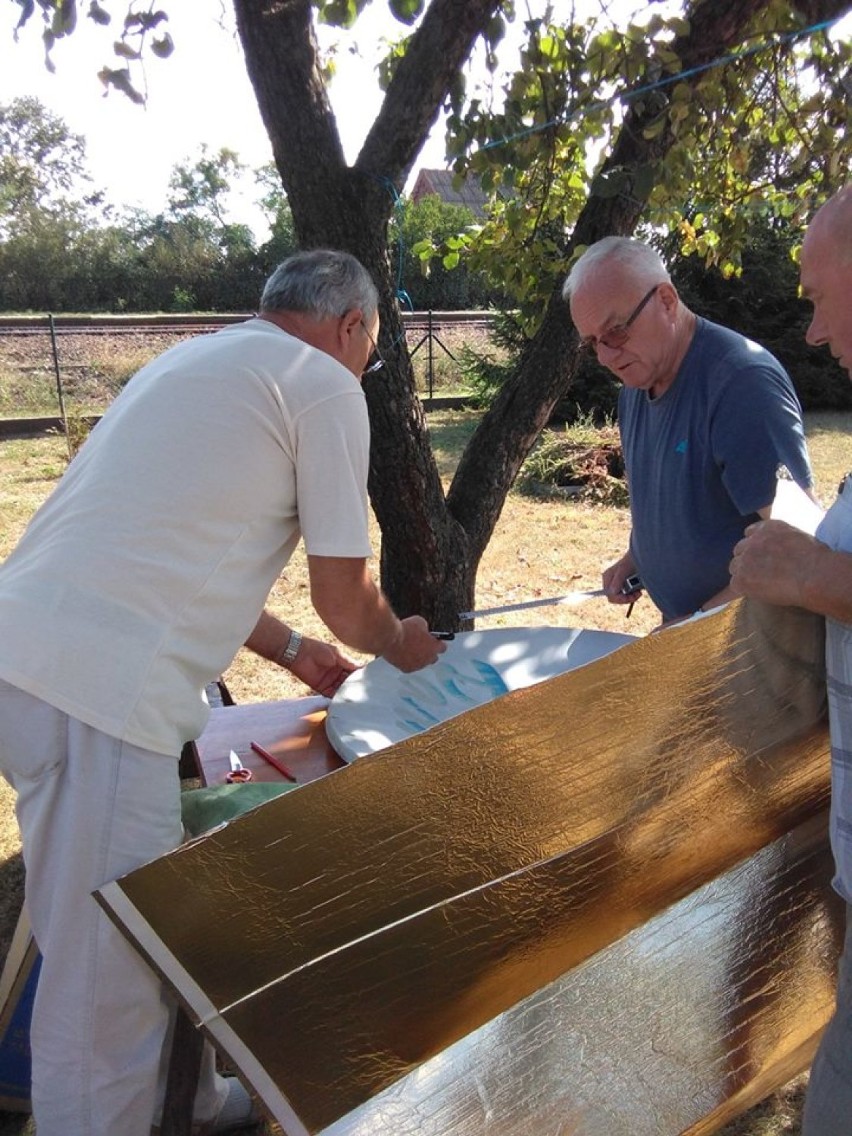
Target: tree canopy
{"x": 64, "y": 247}
{"x": 693, "y": 123}
{"x": 40, "y": 165}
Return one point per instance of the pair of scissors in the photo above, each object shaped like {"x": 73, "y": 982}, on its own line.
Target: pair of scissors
{"x": 238, "y": 770}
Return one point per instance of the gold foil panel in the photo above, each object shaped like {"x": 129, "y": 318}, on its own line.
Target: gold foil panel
{"x": 346, "y": 933}
{"x": 677, "y": 1027}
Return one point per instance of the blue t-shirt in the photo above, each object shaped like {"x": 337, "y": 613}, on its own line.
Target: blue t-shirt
{"x": 702, "y": 459}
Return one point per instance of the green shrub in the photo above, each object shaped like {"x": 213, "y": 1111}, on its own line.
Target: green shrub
{"x": 584, "y": 461}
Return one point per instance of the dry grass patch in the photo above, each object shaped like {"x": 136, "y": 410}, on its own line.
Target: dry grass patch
{"x": 29, "y": 469}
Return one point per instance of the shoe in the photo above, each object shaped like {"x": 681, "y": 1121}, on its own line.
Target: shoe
{"x": 238, "y": 1112}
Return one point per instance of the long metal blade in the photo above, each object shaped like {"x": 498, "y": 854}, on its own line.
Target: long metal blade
{"x": 570, "y": 598}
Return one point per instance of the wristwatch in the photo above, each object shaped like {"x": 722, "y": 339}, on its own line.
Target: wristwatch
{"x": 288, "y": 656}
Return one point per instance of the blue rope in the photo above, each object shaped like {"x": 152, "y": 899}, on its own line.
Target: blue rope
{"x": 401, "y": 294}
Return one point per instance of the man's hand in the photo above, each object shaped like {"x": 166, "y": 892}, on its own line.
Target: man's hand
{"x": 614, "y": 578}
{"x": 321, "y": 666}
{"x": 415, "y": 646}
{"x": 774, "y": 562}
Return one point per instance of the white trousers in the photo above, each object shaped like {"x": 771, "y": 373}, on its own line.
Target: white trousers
{"x": 91, "y": 808}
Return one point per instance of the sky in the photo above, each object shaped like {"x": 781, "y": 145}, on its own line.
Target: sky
{"x": 201, "y": 94}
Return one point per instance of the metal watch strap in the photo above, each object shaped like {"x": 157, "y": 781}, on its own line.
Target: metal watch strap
{"x": 288, "y": 656}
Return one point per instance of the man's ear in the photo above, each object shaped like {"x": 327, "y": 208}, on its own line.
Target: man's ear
{"x": 349, "y": 323}
{"x": 669, "y": 296}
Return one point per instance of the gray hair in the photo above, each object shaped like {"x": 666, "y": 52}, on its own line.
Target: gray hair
{"x": 639, "y": 261}
{"x": 324, "y": 282}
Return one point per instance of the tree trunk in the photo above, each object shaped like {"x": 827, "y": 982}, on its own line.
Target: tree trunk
{"x": 424, "y": 560}
{"x": 432, "y": 543}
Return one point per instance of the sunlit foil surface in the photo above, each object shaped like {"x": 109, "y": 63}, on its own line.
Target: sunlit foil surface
{"x": 676, "y": 1027}
{"x": 344, "y": 934}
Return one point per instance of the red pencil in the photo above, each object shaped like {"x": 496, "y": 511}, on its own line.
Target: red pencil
{"x": 273, "y": 761}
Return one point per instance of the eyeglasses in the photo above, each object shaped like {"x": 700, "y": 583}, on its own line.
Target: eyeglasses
{"x": 378, "y": 362}
{"x": 617, "y": 336}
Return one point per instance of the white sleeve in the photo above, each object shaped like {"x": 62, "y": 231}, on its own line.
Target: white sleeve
{"x": 332, "y": 464}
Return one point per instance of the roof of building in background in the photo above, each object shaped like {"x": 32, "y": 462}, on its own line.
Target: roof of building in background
{"x": 440, "y": 182}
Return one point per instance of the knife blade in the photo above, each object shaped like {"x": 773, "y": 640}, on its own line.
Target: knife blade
{"x": 571, "y": 597}
{"x": 238, "y": 770}
{"x": 631, "y": 585}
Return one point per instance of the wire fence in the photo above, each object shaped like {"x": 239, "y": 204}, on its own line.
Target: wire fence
{"x": 71, "y": 367}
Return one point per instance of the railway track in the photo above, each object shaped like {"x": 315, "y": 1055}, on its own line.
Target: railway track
{"x": 66, "y": 362}
{"x": 182, "y": 324}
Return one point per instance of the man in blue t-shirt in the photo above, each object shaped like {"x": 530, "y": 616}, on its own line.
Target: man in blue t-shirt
{"x": 706, "y": 419}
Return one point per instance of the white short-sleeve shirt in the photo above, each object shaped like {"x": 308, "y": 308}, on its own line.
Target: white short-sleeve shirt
{"x": 140, "y": 577}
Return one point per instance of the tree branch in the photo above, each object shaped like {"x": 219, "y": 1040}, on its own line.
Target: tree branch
{"x": 282, "y": 59}
{"x": 434, "y": 56}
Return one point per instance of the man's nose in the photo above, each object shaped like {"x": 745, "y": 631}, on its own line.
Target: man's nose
{"x": 815, "y": 335}
{"x": 606, "y": 354}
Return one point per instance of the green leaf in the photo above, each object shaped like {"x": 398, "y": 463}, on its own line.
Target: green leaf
{"x": 679, "y": 113}
{"x": 98, "y": 14}
{"x": 654, "y": 25}
{"x": 654, "y": 129}
{"x": 670, "y": 59}
{"x": 163, "y": 47}
{"x": 548, "y": 47}
{"x": 64, "y": 18}
{"x": 496, "y": 30}
{"x": 48, "y": 39}
{"x": 338, "y": 13}
{"x": 121, "y": 81}
{"x": 125, "y": 51}
{"x": 406, "y": 11}
{"x": 423, "y": 249}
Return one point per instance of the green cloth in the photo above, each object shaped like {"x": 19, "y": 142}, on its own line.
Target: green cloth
{"x": 203, "y": 809}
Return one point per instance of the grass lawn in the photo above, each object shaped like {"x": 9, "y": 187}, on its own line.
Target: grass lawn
{"x": 542, "y": 547}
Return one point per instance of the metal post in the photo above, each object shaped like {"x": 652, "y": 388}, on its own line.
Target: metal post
{"x": 59, "y": 394}
{"x": 52, "y": 327}
{"x": 429, "y": 332}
